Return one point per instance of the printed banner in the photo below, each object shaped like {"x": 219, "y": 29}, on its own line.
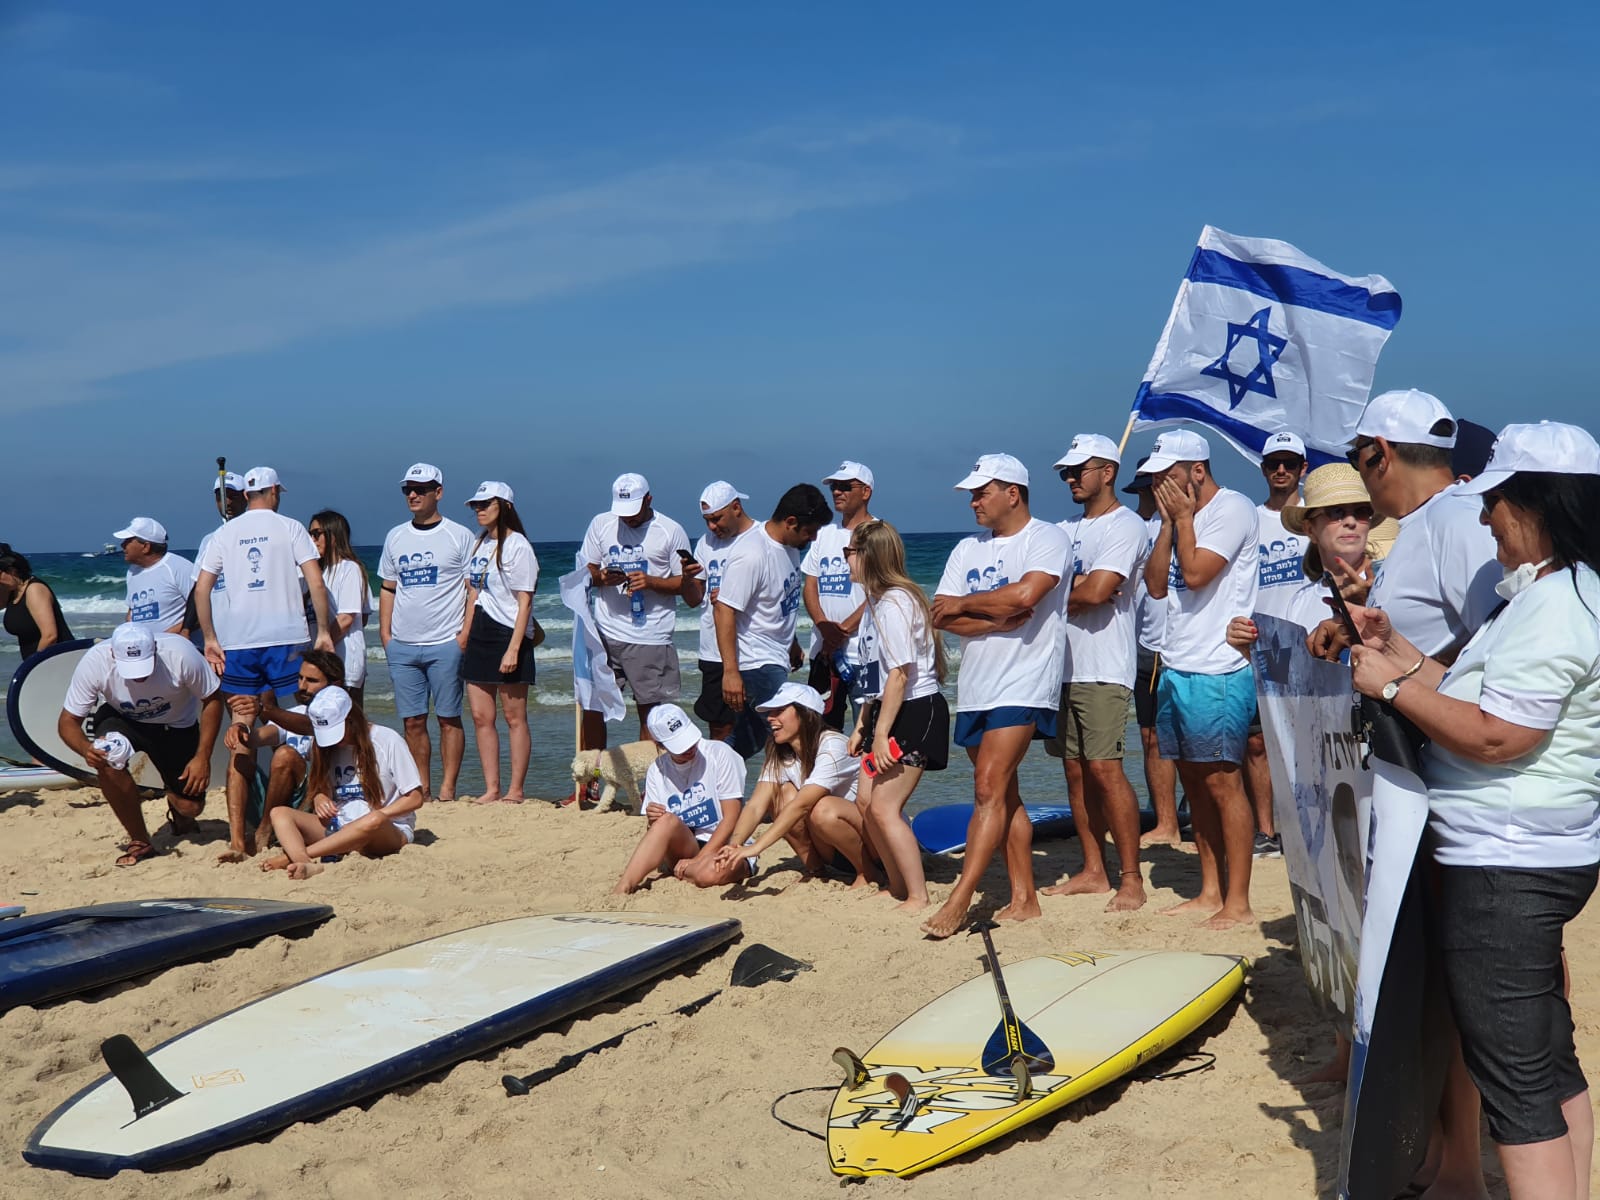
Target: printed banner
{"x": 594, "y": 686}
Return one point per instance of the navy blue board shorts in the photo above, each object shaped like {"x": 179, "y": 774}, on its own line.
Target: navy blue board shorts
{"x": 251, "y": 672}
{"x": 971, "y": 726}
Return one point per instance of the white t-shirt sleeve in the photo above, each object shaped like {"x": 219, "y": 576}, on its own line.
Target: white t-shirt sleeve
{"x": 211, "y": 555}
{"x": 300, "y": 547}
{"x": 594, "y": 552}
{"x": 183, "y": 573}
{"x": 520, "y": 566}
{"x": 195, "y": 673}
{"x": 676, "y": 541}
{"x": 388, "y": 571}
{"x": 896, "y": 638}
{"x": 725, "y": 771}
{"x": 1049, "y": 552}
{"x": 834, "y": 770}
{"x": 88, "y": 681}
{"x": 1236, "y": 525}
{"x": 1467, "y": 568}
{"x": 396, "y": 768}
{"x": 656, "y": 788}
{"x": 1121, "y": 547}
{"x": 741, "y": 571}
{"x": 347, "y": 585}
{"x": 1529, "y": 677}
{"x": 953, "y": 582}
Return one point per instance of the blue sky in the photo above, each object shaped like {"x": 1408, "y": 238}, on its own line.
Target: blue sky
{"x": 549, "y": 244}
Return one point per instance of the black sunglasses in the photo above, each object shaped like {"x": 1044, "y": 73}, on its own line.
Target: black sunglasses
{"x": 1490, "y": 501}
{"x": 418, "y": 489}
{"x": 479, "y": 505}
{"x": 1353, "y": 455}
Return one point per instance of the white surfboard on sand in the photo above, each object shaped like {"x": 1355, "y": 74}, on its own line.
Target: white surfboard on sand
{"x": 362, "y": 1029}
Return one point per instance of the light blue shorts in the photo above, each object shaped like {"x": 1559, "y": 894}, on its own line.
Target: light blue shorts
{"x": 423, "y": 672}
{"x": 1204, "y": 718}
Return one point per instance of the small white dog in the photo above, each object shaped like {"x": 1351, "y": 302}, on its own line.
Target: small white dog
{"x": 621, "y": 767}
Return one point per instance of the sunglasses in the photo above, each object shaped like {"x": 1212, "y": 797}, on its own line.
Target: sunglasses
{"x": 1338, "y": 512}
{"x": 1075, "y": 471}
{"x": 418, "y": 489}
{"x": 843, "y": 485}
{"x": 315, "y": 532}
{"x": 479, "y": 505}
{"x": 1274, "y": 465}
{"x": 1353, "y": 455}
{"x": 1490, "y": 501}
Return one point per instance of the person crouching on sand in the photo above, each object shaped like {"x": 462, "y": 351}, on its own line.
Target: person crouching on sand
{"x": 353, "y": 764}
{"x": 692, "y": 796}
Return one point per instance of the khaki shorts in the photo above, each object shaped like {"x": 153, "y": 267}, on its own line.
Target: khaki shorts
{"x": 1093, "y": 721}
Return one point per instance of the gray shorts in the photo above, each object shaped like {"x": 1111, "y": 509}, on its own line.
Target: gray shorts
{"x": 1093, "y": 722}
{"x": 651, "y": 672}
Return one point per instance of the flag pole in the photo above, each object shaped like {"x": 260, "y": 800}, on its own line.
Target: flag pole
{"x": 1127, "y": 432}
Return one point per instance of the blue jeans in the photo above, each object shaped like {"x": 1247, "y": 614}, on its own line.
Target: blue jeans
{"x": 421, "y": 672}
{"x": 750, "y": 730}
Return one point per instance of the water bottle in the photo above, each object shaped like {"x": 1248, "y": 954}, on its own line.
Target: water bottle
{"x": 333, "y": 827}
{"x": 843, "y": 668}
{"x": 636, "y": 607}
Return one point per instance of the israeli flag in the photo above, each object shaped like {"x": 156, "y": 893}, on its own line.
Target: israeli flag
{"x": 1263, "y": 339}
{"x": 594, "y": 686}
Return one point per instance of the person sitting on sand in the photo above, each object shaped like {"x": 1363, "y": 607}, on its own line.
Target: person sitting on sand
{"x": 692, "y": 796}
{"x": 287, "y": 732}
{"x": 809, "y": 783}
{"x": 353, "y": 763}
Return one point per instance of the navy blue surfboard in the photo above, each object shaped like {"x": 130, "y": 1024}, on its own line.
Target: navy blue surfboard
{"x": 943, "y": 828}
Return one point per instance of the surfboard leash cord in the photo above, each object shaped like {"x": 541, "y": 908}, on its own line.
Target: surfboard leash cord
{"x": 821, "y": 1137}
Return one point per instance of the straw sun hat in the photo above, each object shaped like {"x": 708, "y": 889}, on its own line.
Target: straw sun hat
{"x": 1326, "y": 487}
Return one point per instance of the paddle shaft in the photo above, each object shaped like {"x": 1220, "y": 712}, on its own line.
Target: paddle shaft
{"x": 222, "y": 490}
{"x": 1006, "y": 1013}
{"x": 1016, "y": 1034}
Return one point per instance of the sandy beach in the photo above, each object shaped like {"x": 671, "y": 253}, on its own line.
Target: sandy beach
{"x": 682, "y": 1108}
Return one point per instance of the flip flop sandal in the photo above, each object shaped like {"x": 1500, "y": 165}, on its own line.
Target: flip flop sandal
{"x": 135, "y": 853}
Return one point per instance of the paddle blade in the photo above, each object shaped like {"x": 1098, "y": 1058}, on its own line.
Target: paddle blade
{"x": 760, "y": 964}
{"x": 1010, "y": 1039}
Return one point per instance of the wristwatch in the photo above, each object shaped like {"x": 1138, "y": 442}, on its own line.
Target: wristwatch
{"x": 1392, "y": 688}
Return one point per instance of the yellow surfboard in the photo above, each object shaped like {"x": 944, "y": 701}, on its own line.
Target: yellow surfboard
{"x": 922, "y": 1096}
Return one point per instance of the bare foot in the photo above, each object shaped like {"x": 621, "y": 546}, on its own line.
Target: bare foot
{"x": 1162, "y": 837}
{"x": 859, "y": 884}
{"x": 1081, "y": 884}
{"x": 1020, "y": 912}
{"x": 305, "y": 870}
{"x": 263, "y": 837}
{"x": 1229, "y": 920}
{"x": 234, "y": 854}
{"x": 445, "y": 797}
{"x": 946, "y": 921}
{"x": 1335, "y": 1070}
{"x": 487, "y": 798}
{"x": 512, "y": 798}
{"x": 1130, "y": 896}
{"x": 911, "y": 906}
{"x": 278, "y": 862}
{"x": 1204, "y": 905}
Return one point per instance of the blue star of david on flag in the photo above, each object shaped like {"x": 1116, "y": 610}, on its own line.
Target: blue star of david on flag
{"x": 1259, "y": 377}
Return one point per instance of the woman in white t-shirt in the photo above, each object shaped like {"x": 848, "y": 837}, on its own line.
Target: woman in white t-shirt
{"x": 808, "y": 785}
{"x": 364, "y": 790}
{"x": 496, "y": 642}
{"x": 1513, "y": 798}
{"x": 349, "y": 600}
{"x": 905, "y": 730}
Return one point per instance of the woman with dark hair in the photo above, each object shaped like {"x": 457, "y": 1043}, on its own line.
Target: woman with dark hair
{"x": 33, "y": 614}
{"x": 1513, "y": 799}
{"x": 496, "y": 641}
{"x": 364, "y": 790}
{"x": 349, "y": 599}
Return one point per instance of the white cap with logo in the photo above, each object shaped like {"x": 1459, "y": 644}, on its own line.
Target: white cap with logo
{"x": 848, "y": 470}
{"x": 719, "y": 495}
{"x": 991, "y": 467}
{"x": 628, "y": 493}
{"x": 133, "y": 649}
{"x": 1548, "y": 447}
{"x": 1176, "y": 446}
{"x": 1284, "y": 443}
{"x": 671, "y": 727}
{"x": 234, "y": 483}
{"x": 259, "y": 479}
{"x": 328, "y": 710}
{"x": 492, "y": 489}
{"x": 146, "y": 529}
{"x": 1089, "y": 445}
{"x": 422, "y": 473}
{"x": 1410, "y": 417}
{"x": 794, "y": 693}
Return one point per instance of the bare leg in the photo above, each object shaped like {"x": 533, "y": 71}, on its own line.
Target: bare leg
{"x": 902, "y": 857}
{"x": 241, "y": 772}
{"x": 480, "y": 697}
{"x": 1104, "y": 778}
{"x": 835, "y": 825}
{"x": 1258, "y": 783}
{"x": 1024, "y": 905}
{"x": 294, "y": 829}
{"x": 123, "y": 797}
{"x": 1161, "y": 781}
{"x": 644, "y": 712}
{"x": 421, "y": 748}
{"x": 1088, "y": 810}
{"x": 288, "y": 770}
{"x": 1460, "y": 1174}
{"x": 452, "y": 745}
{"x": 1539, "y": 1170}
{"x": 1580, "y": 1137}
{"x": 1207, "y": 839}
{"x": 1336, "y": 1069}
{"x": 1238, "y": 827}
{"x": 799, "y": 835}
{"x": 514, "y": 703}
{"x": 667, "y": 838}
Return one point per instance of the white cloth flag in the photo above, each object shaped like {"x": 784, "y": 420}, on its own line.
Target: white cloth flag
{"x": 593, "y": 684}
{"x": 1263, "y": 339}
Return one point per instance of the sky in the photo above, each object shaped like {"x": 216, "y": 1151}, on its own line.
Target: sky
{"x": 549, "y": 244}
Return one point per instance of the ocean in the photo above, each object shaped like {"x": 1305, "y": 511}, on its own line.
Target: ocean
{"x": 92, "y": 594}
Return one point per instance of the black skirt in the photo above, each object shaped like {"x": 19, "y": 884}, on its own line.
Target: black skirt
{"x": 921, "y": 728}
{"x": 487, "y": 642}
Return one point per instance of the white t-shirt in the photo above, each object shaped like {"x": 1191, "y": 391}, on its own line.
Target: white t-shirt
{"x": 837, "y": 593}
{"x": 219, "y": 589}
{"x": 1023, "y": 667}
{"x": 1197, "y": 620}
{"x": 711, "y": 552}
{"x": 1280, "y": 572}
{"x": 158, "y": 593}
{"x": 1537, "y": 665}
{"x": 611, "y": 543}
{"x": 694, "y": 792}
{"x": 1102, "y": 643}
{"x": 1152, "y": 613}
{"x": 895, "y": 631}
{"x": 1307, "y": 605}
{"x": 397, "y": 775}
{"x": 761, "y": 582}
{"x": 1437, "y": 583}
{"x": 170, "y": 695}
{"x": 834, "y": 771}
{"x": 429, "y": 570}
{"x": 300, "y": 743}
{"x": 260, "y": 553}
{"x": 498, "y": 583}
{"x": 347, "y": 593}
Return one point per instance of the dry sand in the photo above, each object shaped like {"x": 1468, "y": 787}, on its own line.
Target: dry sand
{"x": 682, "y": 1108}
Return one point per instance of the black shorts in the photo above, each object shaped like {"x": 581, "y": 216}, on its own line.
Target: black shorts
{"x": 487, "y": 643}
{"x": 1147, "y": 674}
{"x": 921, "y": 727}
{"x": 168, "y": 747}
{"x": 824, "y": 679}
{"x": 711, "y": 707}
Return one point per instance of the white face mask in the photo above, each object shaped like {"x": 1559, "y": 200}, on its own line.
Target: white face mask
{"x": 1519, "y": 580}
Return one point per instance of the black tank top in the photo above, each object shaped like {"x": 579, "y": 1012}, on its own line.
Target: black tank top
{"x": 19, "y": 622}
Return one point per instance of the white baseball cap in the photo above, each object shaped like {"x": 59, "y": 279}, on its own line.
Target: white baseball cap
{"x": 848, "y": 470}
{"x": 719, "y": 495}
{"x": 146, "y": 529}
{"x": 493, "y": 489}
{"x": 133, "y": 649}
{"x": 1089, "y": 445}
{"x": 794, "y": 693}
{"x": 1549, "y": 447}
{"x": 328, "y": 710}
{"x": 234, "y": 483}
{"x": 1176, "y": 446}
{"x": 259, "y": 479}
{"x": 1407, "y": 416}
{"x": 990, "y": 467}
{"x": 671, "y": 727}
{"x": 1284, "y": 443}
{"x": 423, "y": 473}
{"x": 628, "y": 493}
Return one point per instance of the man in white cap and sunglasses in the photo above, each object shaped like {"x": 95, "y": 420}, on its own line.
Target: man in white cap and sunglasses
{"x": 722, "y": 509}
{"x": 834, "y": 601}
{"x": 1002, "y": 594}
{"x": 421, "y": 609}
{"x": 1205, "y": 564}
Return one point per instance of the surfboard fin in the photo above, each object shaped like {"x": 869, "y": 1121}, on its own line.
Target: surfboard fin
{"x": 146, "y": 1087}
{"x": 855, "y": 1071}
{"x": 1024, "y": 1078}
{"x": 900, "y": 1088}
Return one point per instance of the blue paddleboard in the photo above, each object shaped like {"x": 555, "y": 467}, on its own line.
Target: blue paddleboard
{"x": 943, "y": 828}
{"x": 54, "y": 954}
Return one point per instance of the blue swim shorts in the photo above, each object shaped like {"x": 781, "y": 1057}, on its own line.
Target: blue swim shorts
{"x": 421, "y": 673}
{"x": 251, "y": 672}
{"x": 1204, "y": 718}
{"x": 971, "y": 726}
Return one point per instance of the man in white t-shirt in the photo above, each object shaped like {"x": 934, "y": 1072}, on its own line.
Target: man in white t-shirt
{"x": 758, "y": 606}
{"x": 635, "y": 557}
{"x": 834, "y": 601}
{"x": 421, "y": 609}
{"x": 1001, "y": 594}
{"x": 1109, "y": 545}
{"x": 149, "y": 693}
{"x": 227, "y": 492}
{"x": 722, "y": 509}
{"x": 159, "y": 582}
{"x": 1205, "y": 564}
